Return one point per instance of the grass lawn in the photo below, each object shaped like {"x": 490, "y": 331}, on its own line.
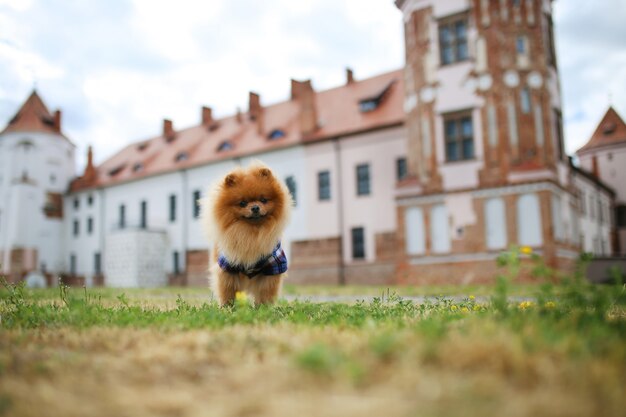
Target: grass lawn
{"x": 155, "y": 353}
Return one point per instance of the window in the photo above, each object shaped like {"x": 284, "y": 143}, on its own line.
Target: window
{"x": 600, "y": 212}
{"x": 97, "y": 263}
{"x": 172, "y": 208}
{"x": 363, "y": 179}
{"x": 548, "y": 38}
{"x": 529, "y": 220}
{"x": 557, "y": 218}
{"x": 53, "y": 178}
{"x": 358, "y": 243}
{"x": 143, "y": 210}
{"x": 414, "y": 231}
{"x": 122, "y": 219}
{"x": 323, "y": 185}
{"x": 276, "y": 134}
{"x": 620, "y": 216}
{"x": 525, "y": 100}
{"x": 495, "y": 222}
{"x": 76, "y": 203}
{"x": 90, "y": 225}
{"x": 291, "y": 185}
{"x": 196, "y": 204}
{"x": 76, "y": 227}
{"x": 521, "y": 45}
{"x": 90, "y": 200}
{"x": 225, "y": 146}
{"x": 117, "y": 170}
{"x": 401, "y": 169}
{"x": 459, "y": 137}
{"x": 453, "y": 40}
{"x": 581, "y": 200}
{"x": 367, "y": 105}
{"x": 176, "y": 263}
{"x": 72, "y": 264}
{"x": 137, "y": 167}
{"x": 439, "y": 229}
{"x": 182, "y": 156}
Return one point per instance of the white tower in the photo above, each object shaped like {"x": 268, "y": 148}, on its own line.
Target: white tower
{"x": 36, "y": 167}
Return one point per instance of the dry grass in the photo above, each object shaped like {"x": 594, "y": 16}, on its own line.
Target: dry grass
{"x": 287, "y": 370}
{"x": 152, "y": 353}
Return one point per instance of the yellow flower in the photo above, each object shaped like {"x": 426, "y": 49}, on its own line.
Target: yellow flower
{"x": 525, "y": 305}
{"x": 550, "y": 305}
{"x": 464, "y": 310}
{"x": 471, "y": 297}
{"x": 476, "y": 307}
{"x": 526, "y": 250}
{"x": 241, "y": 297}
{"x": 453, "y": 308}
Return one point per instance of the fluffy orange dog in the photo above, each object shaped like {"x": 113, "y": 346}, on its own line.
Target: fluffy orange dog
{"x": 244, "y": 215}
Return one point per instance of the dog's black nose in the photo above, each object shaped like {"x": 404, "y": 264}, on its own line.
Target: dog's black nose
{"x": 255, "y": 209}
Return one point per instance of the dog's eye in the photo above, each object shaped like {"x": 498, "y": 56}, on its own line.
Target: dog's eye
{"x": 243, "y": 203}
{"x": 263, "y": 200}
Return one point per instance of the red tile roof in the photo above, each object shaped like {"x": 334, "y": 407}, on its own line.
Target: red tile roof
{"x": 337, "y": 110}
{"x": 611, "y": 130}
{"x": 34, "y": 116}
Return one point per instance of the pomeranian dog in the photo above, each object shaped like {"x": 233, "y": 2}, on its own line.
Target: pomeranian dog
{"x": 244, "y": 215}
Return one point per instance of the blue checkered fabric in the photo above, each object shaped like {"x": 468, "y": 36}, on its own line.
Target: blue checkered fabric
{"x": 273, "y": 264}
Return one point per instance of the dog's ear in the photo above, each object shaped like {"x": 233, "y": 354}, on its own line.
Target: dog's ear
{"x": 231, "y": 180}
{"x": 264, "y": 173}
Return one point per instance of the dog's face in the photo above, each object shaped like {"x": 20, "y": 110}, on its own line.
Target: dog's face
{"x": 251, "y": 197}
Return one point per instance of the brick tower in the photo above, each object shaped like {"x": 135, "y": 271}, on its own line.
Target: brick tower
{"x": 485, "y": 143}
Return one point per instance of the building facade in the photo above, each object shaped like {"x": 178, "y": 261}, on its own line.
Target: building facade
{"x": 484, "y": 138}
{"x": 418, "y": 175}
{"x": 36, "y": 168}
{"x": 604, "y": 155}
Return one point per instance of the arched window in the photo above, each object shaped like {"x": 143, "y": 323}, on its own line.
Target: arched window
{"x": 291, "y": 185}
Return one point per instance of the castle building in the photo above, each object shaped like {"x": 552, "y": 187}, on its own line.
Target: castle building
{"x": 36, "y": 168}
{"x": 419, "y": 175}
{"x": 485, "y": 142}
{"x": 604, "y": 155}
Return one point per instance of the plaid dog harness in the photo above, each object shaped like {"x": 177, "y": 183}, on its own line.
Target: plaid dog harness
{"x": 272, "y": 264}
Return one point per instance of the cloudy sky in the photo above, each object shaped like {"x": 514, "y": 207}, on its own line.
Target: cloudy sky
{"x": 117, "y": 68}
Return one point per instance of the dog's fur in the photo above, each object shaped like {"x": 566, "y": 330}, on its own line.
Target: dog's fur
{"x": 243, "y": 236}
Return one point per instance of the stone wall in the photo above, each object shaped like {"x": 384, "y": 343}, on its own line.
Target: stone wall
{"x": 135, "y": 258}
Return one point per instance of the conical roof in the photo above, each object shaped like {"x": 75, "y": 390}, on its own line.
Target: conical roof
{"x": 610, "y": 131}
{"x": 33, "y": 116}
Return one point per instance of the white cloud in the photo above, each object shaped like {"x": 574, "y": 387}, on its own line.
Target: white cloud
{"x": 119, "y": 70}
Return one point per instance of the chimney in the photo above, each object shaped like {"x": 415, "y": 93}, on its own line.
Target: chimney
{"x": 349, "y": 76}
{"x": 239, "y": 116}
{"x": 594, "y": 166}
{"x": 57, "y": 121}
{"x": 90, "y": 171}
{"x": 168, "y": 129}
{"x": 255, "y": 110}
{"x": 304, "y": 93}
{"x": 207, "y": 116}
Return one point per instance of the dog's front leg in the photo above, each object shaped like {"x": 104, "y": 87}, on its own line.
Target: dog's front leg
{"x": 225, "y": 286}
